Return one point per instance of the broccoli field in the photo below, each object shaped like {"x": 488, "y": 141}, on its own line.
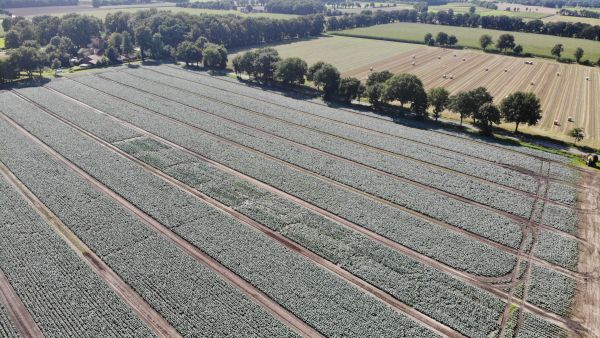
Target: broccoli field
{"x": 159, "y": 201}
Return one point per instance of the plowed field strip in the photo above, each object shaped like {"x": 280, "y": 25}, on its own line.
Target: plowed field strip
{"x": 357, "y": 191}
{"x": 249, "y": 290}
{"x": 365, "y": 129}
{"x": 143, "y": 310}
{"x": 469, "y": 140}
{"x": 16, "y": 310}
{"x": 373, "y": 148}
{"x": 450, "y": 195}
{"x": 325, "y": 264}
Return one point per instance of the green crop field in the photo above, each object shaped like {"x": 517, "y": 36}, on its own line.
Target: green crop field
{"x": 536, "y": 44}
{"x": 344, "y": 52}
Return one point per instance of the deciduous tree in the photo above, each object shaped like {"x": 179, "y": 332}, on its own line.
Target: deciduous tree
{"x": 521, "y": 107}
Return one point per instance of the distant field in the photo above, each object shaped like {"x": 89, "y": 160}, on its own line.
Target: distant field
{"x": 566, "y": 95}
{"x": 533, "y": 9}
{"x": 345, "y": 53}
{"x": 461, "y": 7}
{"x": 536, "y": 44}
{"x": 524, "y": 15}
{"x": 101, "y": 12}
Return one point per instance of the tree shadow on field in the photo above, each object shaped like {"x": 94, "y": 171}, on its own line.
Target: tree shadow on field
{"x": 25, "y": 83}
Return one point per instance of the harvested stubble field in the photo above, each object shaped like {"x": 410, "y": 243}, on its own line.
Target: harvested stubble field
{"x": 569, "y": 94}
{"x": 232, "y": 210}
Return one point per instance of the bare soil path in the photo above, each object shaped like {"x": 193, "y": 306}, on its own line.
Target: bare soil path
{"x": 16, "y": 310}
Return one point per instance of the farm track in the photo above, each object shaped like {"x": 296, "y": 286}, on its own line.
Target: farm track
{"x": 372, "y": 148}
{"x": 519, "y": 219}
{"x": 500, "y": 246}
{"x": 374, "y": 131}
{"x": 323, "y": 263}
{"x": 16, "y": 310}
{"x": 382, "y": 295}
{"x": 249, "y": 290}
{"x": 141, "y": 308}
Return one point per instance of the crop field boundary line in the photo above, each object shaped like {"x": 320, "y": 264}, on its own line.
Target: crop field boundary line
{"x": 159, "y": 325}
{"x": 17, "y": 311}
{"x": 453, "y": 228}
{"x": 360, "y": 144}
{"x": 239, "y": 283}
{"x": 357, "y": 282}
{"x": 463, "y": 276}
{"x": 519, "y": 219}
{"x": 387, "y": 121}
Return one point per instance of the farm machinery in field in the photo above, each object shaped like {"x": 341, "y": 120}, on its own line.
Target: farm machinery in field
{"x": 590, "y": 159}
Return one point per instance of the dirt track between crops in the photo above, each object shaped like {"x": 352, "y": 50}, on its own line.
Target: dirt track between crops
{"x": 16, "y": 310}
{"x": 482, "y": 282}
{"x": 143, "y": 310}
{"x": 586, "y": 307}
{"x": 249, "y": 290}
{"x": 564, "y": 90}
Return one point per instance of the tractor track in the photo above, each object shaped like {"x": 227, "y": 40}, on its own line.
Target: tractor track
{"x": 324, "y": 263}
{"x": 384, "y": 120}
{"x": 373, "y": 148}
{"x": 366, "y": 287}
{"x": 17, "y": 311}
{"x": 354, "y": 190}
{"x": 249, "y": 290}
{"x": 159, "y": 325}
{"x": 519, "y": 219}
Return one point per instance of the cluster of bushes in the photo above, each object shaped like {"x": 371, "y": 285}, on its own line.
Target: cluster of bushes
{"x": 500, "y": 22}
{"x": 441, "y": 39}
{"x": 266, "y": 66}
{"x": 220, "y": 4}
{"x": 300, "y": 7}
{"x": 36, "y": 3}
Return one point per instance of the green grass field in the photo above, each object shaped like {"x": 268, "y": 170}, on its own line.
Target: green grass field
{"x": 101, "y": 12}
{"x": 462, "y": 7}
{"x": 343, "y": 52}
{"x": 556, "y": 18}
{"x": 536, "y": 44}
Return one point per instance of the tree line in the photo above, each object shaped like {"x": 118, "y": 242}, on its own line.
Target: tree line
{"x": 220, "y": 4}
{"x": 99, "y": 3}
{"x": 473, "y": 20}
{"x": 51, "y": 41}
{"x": 382, "y": 88}
{"x": 558, "y": 3}
{"x": 300, "y": 7}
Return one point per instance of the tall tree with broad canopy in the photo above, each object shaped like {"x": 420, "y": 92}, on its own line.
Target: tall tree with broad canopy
{"x": 265, "y": 63}
{"x": 487, "y": 115}
{"x": 557, "y": 50}
{"x": 143, "y": 37}
{"x": 214, "y": 56}
{"x": 350, "y": 89}
{"x": 406, "y": 88}
{"x": 485, "y": 40}
{"x": 328, "y": 78}
{"x": 188, "y": 52}
{"x": 438, "y": 98}
{"x": 505, "y": 42}
{"x": 578, "y": 54}
{"x": 521, "y": 107}
{"x": 291, "y": 70}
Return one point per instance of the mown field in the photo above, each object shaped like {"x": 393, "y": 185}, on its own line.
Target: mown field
{"x": 220, "y": 207}
{"x": 461, "y": 7}
{"x": 536, "y": 44}
{"x": 563, "y": 18}
{"x": 563, "y": 95}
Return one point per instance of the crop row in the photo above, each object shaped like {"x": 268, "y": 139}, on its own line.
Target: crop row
{"x": 426, "y": 237}
{"x": 404, "y": 128}
{"x": 460, "y": 185}
{"x": 558, "y": 249}
{"x": 458, "y": 213}
{"x": 312, "y": 294}
{"x": 64, "y": 297}
{"x": 469, "y": 310}
{"x": 417, "y": 151}
{"x": 162, "y": 274}
{"x": 550, "y": 290}
{"x": 535, "y": 327}
{"x": 7, "y": 329}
